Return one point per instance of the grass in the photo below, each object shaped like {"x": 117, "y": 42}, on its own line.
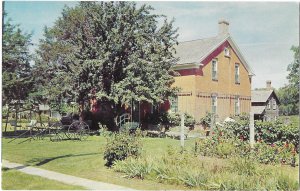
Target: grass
{"x": 15, "y": 180}
{"x": 85, "y": 159}
{"x": 81, "y": 158}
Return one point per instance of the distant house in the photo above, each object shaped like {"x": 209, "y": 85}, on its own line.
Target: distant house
{"x": 264, "y": 103}
{"x": 214, "y": 77}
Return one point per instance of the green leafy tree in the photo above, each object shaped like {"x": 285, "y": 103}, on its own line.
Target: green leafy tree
{"x": 110, "y": 50}
{"x": 289, "y": 94}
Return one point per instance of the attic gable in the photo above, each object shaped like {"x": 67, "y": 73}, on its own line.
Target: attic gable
{"x": 200, "y": 52}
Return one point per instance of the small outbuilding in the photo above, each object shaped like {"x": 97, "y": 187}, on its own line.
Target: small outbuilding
{"x": 264, "y": 103}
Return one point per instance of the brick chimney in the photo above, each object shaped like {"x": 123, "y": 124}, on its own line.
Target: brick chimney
{"x": 223, "y": 27}
{"x": 268, "y": 85}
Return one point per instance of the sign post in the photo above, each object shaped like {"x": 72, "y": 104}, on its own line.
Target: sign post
{"x": 251, "y": 129}
{"x": 182, "y": 131}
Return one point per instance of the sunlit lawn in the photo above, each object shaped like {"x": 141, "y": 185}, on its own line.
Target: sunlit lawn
{"x": 15, "y": 180}
{"x": 82, "y": 158}
{"x": 85, "y": 159}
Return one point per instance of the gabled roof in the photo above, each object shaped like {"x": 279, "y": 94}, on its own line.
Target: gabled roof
{"x": 195, "y": 51}
{"x": 258, "y": 109}
{"x": 261, "y": 95}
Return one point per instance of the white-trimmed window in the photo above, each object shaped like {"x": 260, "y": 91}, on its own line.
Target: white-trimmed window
{"x": 214, "y": 69}
{"x": 237, "y": 105}
{"x": 269, "y": 104}
{"x": 214, "y": 103}
{"x": 237, "y": 73}
{"x": 174, "y": 104}
{"x": 226, "y": 52}
{"x": 274, "y": 104}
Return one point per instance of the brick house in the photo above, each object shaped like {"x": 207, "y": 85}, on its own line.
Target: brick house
{"x": 265, "y": 103}
{"x": 214, "y": 77}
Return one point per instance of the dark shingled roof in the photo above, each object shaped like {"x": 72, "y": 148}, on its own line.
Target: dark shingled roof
{"x": 260, "y": 95}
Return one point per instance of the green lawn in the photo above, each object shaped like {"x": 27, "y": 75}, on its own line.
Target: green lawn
{"x": 15, "y": 180}
{"x": 82, "y": 158}
{"x": 85, "y": 159}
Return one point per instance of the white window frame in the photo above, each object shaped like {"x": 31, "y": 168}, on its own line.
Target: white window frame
{"x": 226, "y": 52}
{"x": 237, "y": 73}
{"x": 174, "y": 104}
{"x": 274, "y": 105}
{"x": 269, "y": 104}
{"x": 237, "y": 105}
{"x": 214, "y": 103}
{"x": 214, "y": 69}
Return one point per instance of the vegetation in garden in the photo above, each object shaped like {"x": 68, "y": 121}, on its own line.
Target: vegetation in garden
{"x": 170, "y": 119}
{"x": 121, "y": 145}
{"x": 184, "y": 168}
{"x": 276, "y": 142}
{"x": 276, "y": 132}
{"x": 206, "y": 120}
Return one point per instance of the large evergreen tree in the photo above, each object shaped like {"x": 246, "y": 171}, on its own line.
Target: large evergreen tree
{"x": 111, "y": 50}
{"x": 16, "y": 69}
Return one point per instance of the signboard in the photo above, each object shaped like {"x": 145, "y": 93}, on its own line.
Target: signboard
{"x": 44, "y": 107}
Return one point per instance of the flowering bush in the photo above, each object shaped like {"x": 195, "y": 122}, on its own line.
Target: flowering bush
{"x": 268, "y": 132}
{"x": 224, "y": 143}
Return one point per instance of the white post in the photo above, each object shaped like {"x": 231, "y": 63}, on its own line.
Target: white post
{"x": 251, "y": 129}
{"x": 182, "y": 130}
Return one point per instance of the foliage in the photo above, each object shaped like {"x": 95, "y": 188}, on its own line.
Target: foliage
{"x": 16, "y": 69}
{"x": 110, "y": 50}
{"x": 171, "y": 119}
{"x": 120, "y": 146}
{"x": 269, "y": 132}
{"x": 206, "y": 120}
{"x": 182, "y": 168}
{"x": 224, "y": 144}
{"x": 289, "y": 94}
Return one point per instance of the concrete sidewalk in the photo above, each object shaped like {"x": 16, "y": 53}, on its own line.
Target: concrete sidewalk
{"x": 67, "y": 179}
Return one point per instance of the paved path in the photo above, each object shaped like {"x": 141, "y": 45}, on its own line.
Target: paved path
{"x": 67, "y": 179}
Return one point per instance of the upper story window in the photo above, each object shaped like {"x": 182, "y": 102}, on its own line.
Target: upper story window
{"x": 274, "y": 104}
{"x": 227, "y": 52}
{"x": 174, "y": 104}
{"x": 214, "y": 69}
{"x": 269, "y": 104}
{"x": 214, "y": 100}
{"x": 237, "y": 105}
{"x": 237, "y": 73}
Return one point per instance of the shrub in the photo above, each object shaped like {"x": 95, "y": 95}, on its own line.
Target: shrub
{"x": 171, "y": 119}
{"x": 206, "y": 120}
{"x": 120, "y": 146}
{"x": 180, "y": 167}
{"x": 189, "y": 121}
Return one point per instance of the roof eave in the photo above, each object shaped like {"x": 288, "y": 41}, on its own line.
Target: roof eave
{"x": 193, "y": 65}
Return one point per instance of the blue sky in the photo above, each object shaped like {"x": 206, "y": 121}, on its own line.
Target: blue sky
{"x": 264, "y": 31}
